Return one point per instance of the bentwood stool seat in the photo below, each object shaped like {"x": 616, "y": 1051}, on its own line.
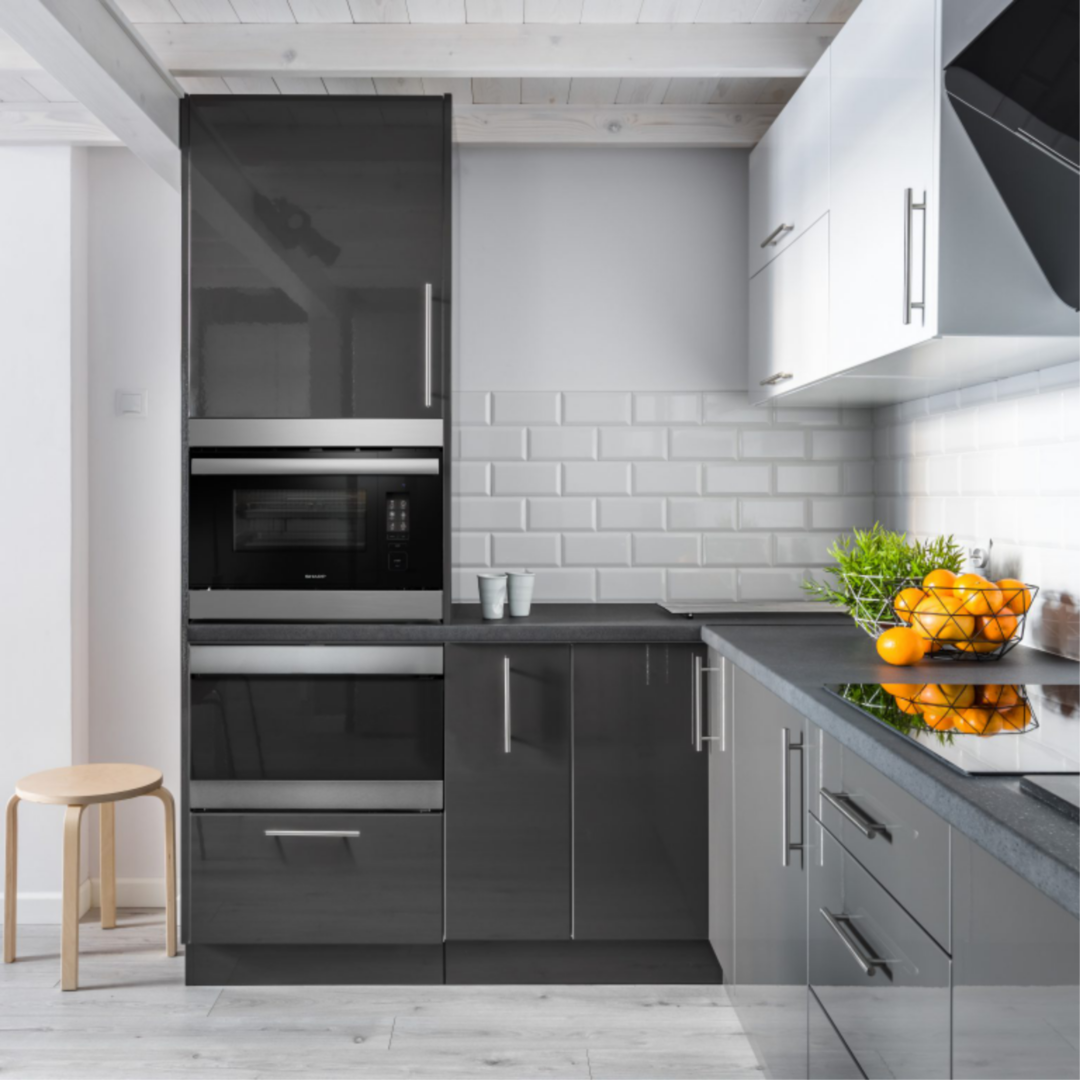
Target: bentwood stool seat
{"x": 77, "y": 787}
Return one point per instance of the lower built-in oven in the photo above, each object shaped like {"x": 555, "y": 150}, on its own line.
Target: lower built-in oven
{"x": 315, "y": 535}
{"x": 310, "y": 727}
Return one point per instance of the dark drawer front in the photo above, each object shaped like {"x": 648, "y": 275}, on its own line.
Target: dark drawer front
{"x": 902, "y": 843}
{"x": 829, "y": 1058}
{"x": 894, "y": 1017}
{"x": 273, "y": 879}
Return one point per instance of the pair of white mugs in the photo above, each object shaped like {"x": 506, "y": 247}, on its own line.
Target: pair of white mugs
{"x": 496, "y": 588}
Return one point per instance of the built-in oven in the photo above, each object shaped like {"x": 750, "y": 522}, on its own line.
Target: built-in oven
{"x": 328, "y": 534}
{"x": 316, "y": 727}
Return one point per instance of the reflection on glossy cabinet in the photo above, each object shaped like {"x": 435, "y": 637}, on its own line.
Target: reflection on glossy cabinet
{"x": 1016, "y": 974}
{"x": 640, "y": 795}
{"x": 828, "y": 1056}
{"x": 507, "y": 793}
{"x": 721, "y": 815}
{"x": 317, "y": 255}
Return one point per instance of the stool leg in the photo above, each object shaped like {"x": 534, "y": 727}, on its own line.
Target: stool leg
{"x": 108, "y": 866}
{"x": 11, "y": 878}
{"x": 69, "y": 933}
{"x": 170, "y": 869}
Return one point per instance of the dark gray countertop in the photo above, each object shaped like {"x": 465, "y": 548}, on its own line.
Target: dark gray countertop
{"x": 600, "y": 623}
{"x": 795, "y": 662}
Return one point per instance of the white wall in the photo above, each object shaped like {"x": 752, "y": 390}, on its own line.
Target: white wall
{"x": 134, "y": 480}
{"x": 42, "y": 632}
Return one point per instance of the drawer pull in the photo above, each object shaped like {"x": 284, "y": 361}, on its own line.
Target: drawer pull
{"x": 779, "y": 377}
{"x": 341, "y": 834}
{"x": 774, "y": 237}
{"x": 851, "y": 938}
{"x": 787, "y": 845}
{"x": 853, "y": 813}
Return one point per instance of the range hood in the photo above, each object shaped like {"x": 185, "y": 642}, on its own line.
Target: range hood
{"x": 1015, "y": 90}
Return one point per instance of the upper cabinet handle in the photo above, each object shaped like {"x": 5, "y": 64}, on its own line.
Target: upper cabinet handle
{"x": 779, "y": 377}
{"x": 786, "y": 843}
{"x": 910, "y": 206}
{"x": 338, "y": 834}
{"x": 853, "y": 813}
{"x": 698, "y": 700}
{"x": 506, "y": 704}
{"x": 774, "y": 237}
{"x": 427, "y": 346}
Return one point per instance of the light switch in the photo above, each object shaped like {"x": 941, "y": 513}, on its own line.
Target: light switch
{"x": 131, "y": 403}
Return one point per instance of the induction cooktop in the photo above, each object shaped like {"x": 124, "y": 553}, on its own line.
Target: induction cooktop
{"x": 979, "y": 729}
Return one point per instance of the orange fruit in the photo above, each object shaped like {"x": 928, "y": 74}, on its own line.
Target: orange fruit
{"x": 1015, "y": 594}
{"x": 977, "y": 595}
{"x": 906, "y": 601}
{"x": 907, "y": 706}
{"x": 1000, "y": 697}
{"x": 999, "y": 627}
{"x": 900, "y": 646}
{"x": 902, "y": 689}
{"x": 947, "y": 695}
{"x": 978, "y": 646}
{"x": 974, "y": 720}
{"x": 939, "y": 581}
{"x": 939, "y": 718}
{"x": 1016, "y": 718}
{"x": 943, "y": 618}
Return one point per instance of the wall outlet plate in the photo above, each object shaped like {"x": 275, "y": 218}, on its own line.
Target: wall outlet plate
{"x": 980, "y": 557}
{"x": 130, "y": 403}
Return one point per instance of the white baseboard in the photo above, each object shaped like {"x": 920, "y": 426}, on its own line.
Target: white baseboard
{"x": 35, "y": 908}
{"x": 134, "y": 892}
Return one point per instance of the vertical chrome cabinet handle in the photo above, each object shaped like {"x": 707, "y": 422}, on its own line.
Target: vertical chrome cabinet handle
{"x": 774, "y": 237}
{"x": 506, "y": 704}
{"x": 427, "y": 346}
{"x": 786, "y": 748}
{"x": 841, "y": 926}
{"x": 910, "y": 206}
{"x": 699, "y": 707}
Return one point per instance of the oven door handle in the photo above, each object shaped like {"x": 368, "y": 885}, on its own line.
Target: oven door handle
{"x": 314, "y": 466}
{"x": 374, "y": 660}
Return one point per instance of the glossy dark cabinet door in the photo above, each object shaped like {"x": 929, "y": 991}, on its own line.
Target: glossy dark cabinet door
{"x": 317, "y": 255}
{"x": 769, "y": 988}
{"x": 721, "y": 751}
{"x": 507, "y": 793}
{"x": 315, "y": 879}
{"x": 641, "y": 815}
{"x": 1016, "y": 974}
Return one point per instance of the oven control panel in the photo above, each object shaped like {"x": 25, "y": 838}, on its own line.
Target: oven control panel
{"x": 397, "y": 531}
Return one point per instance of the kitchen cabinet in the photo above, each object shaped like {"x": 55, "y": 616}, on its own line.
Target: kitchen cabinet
{"x": 1016, "y": 969}
{"x": 317, "y": 255}
{"x": 769, "y": 985}
{"x": 721, "y": 814}
{"x": 640, "y": 794}
{"x": 507, "y": 793}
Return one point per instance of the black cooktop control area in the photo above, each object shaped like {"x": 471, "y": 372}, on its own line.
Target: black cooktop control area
{"x": 979, "y": 729}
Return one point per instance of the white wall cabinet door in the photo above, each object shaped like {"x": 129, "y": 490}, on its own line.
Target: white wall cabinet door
{"x": 884, "y": 94}
{"x": 789, "y": 171}
{"x": 789, "y": 316}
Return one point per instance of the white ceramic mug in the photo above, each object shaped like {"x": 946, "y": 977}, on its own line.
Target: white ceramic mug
{"x": 492, "y": 595}
{"x": 520, "y": 590}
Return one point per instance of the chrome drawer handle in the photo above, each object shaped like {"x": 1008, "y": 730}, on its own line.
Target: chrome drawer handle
{"x": 850, "y": 811}
{"x": 506, "y": 705}
{"x": 774, "y": 237}
{"x": 697, "y": 698}
{"x": 851, "y": 938}
{"x": 341, "y": 834}
{"x": 787, "y": 845}
{"x": 427, "y": 346}
{"x": 779, "y": 377}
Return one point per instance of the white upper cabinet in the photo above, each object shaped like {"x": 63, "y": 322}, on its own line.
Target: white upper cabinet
{"x": 884, "y": 94}
{"x": 789, "y": 171}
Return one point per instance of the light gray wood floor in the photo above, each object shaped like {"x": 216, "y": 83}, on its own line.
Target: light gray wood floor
{"x": 134, "y": 1018}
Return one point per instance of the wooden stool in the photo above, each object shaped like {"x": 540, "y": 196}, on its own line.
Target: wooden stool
{"x": 78, "y": 787}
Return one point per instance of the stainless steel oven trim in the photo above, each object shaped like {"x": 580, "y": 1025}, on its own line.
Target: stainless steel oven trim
{"x": 316, "y": 605}
{"x": 316, "y": 660}
{"x": 316, "y": 465}
{"x": 302, "y": 432}
{"x": 316, "y": 795}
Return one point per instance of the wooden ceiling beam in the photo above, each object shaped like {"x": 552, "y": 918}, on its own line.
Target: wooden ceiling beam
{"x": 478, "y": 50}
{"x": 28, "y": 123}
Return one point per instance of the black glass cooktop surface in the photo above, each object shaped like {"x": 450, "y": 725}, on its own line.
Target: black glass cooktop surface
{"x": 980, "y": 729}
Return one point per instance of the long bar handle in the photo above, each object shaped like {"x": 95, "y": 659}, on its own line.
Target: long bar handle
{"x": 506, "y": 704}
{"x": 698, "y": 705}
{"x": 427, "y": 346}
{"x": 314, "y": 465}
{"x": 774, "y": 237}
{"x": 851, "y": 812}
{"x": 841, "y": 925}
{"x": 346, "y": 834}
{"x": 910, "y": 206}
{"x": 786, "y": 747}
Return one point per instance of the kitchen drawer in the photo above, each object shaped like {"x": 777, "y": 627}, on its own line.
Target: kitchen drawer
{"x": 829, "y": 1058}
{"x": 309, "y": 879}
{"x": 902, "y": 843}
{"x": 883, "y": 982}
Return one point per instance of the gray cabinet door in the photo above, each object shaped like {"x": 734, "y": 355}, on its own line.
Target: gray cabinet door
{"x": 640, "y": 795}
{"x": 507, "y": 793}
{"x": 721, "y": 815}
{"x": 769, "y": 989}
{"x": 1016, "y": 974}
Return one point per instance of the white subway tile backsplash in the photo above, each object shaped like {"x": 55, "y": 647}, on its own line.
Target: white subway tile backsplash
{"x": 858, "y": 477}
{"x": 471, "y": 407}
{"x": 596, "y": 478}
{"x": 1041, "y": 419}
{"x": 772, "y": 514}
{"x": 806, "y": 549}
{"x": 631, "y": 513}
{"x": 530, "y": 479}
{"x": 667, "y": 479}
{"x": 1061, "y": 375}
{"x": 704, "y": 443}
{"x": 843, "y": 515}
{"x": 976, "y": 474}
{"x": 596, "y": 549}
{"x": 773, "y": 444}
{"x": 765, "y": 585}
{"x": 470, "y": 549}
{"x": 733, "y": 407}
{"x": 667, "y": 549}
{"x": 808, "y": 479}
{"x": 997, "y": 424}
{"x": 1059, "y": 469}
{"x": 1018, "y": 385}
{"x": 565, "y": 586}
{"x": 667, "y": 408}
{"x": 562, "y": 513}
{"x": 492, "y": 444}
{"x": 847, "y": 445}
{"x": 524, "y": 550}
{"x": 477, "y": 514}
{"x": 523, "y": 408}
{"x": 686, "y": 586}
{"x": 620, "y": 586}
{"x": 738, "y": 479}
{"x": 596, "y": 408}
{"x": 945, "y": 402}
{"x": 943, "y": 474}
{"x": 806, "y": 417}
{"x": 738, "y": 549}
{"x": 470, "y": 478}
{"x": 637, "y": 443}
{"x": 959, "y": 431}
{"x": 562, "y": 444}
{"x": 977, "y": 395}
{"x": 705, "y": 514}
